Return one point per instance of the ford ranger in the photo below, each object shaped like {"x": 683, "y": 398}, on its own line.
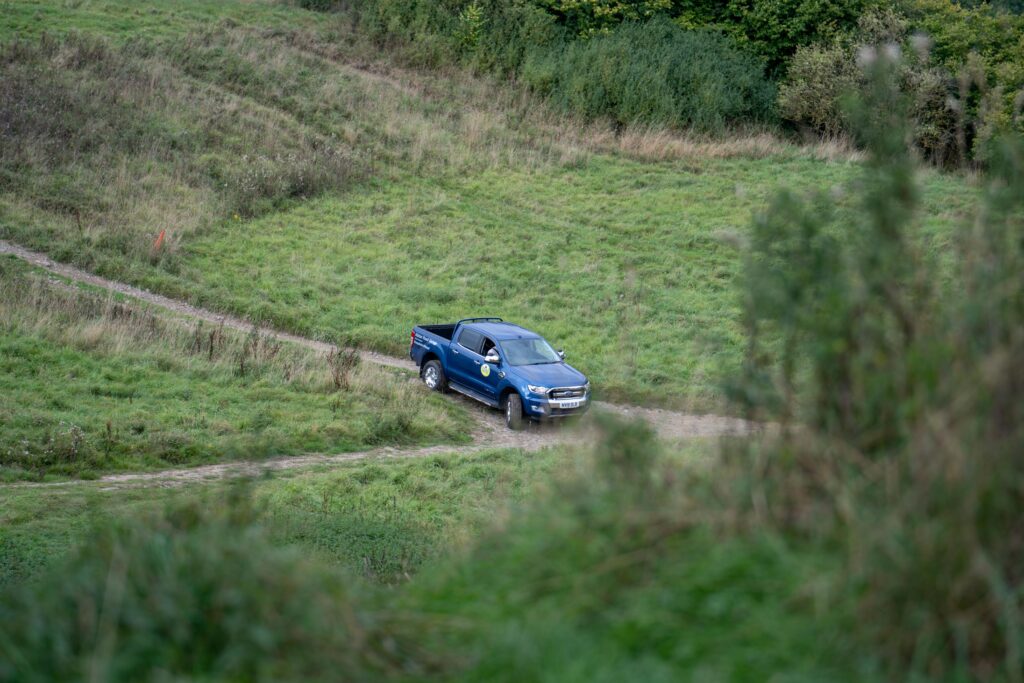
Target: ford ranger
{"x": 502, "y": 365}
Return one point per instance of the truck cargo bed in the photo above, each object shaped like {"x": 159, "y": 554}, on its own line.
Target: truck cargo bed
{"x": 445, "y": 331}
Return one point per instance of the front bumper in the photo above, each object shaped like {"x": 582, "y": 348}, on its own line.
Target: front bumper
{"x": 543, "y": 408}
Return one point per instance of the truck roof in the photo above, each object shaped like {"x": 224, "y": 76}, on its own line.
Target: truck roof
{"x": 502, "y": 331}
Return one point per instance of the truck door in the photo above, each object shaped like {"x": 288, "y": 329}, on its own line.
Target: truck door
{"x": 467, "y": 356}
{"x": 488, "y": 374}
{"x": 464, "y": 358}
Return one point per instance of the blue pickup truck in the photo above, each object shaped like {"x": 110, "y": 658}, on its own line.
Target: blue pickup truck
{"x": 502, "y": 365}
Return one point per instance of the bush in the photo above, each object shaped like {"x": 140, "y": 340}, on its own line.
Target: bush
{"x": 655, "y": 72}
{"x": 194, "y": 595}
{"x": 957, "y": 31}
{"x": 425, "y": 29}
{"x": 586, "y": 59}
{"x": 491, "y": 35}
{"x": 509, "y": 33}
{"x": 905, "y": 374}
{"x": 318, "y": 5}
{"x": 775, "y": 29}
{"x": 591, "y": 17}
{"x": 982, "y": 51}
{"x": 964, "y": 90}
{"x": 819, "y": 77}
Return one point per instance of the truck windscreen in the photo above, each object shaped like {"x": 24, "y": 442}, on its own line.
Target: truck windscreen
{"x": 529, "y": 352}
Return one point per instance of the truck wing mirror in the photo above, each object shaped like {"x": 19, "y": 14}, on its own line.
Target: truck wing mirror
{"x": 492, "y": 357}
{"x": 561, "y": 354}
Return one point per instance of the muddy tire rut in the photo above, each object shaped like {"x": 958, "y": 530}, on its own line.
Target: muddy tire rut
{"x": 488, "y": 430}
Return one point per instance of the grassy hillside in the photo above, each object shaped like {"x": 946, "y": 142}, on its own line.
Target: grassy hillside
{"x": 629, "y": 266}
{"x": 872, "y": 533}
{"x": 511, "y": 582}
{"x": 359, "y": 200}
{"x": 88, "y": 385}
{"x": 382, "y": 519}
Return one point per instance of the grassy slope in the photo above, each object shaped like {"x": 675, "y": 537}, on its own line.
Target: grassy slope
{"x": 544, "y": 597}
{"x": 471, "y": 529}
{"x": 84, "y": 389}
{"x": 626, "y": 265}
{"x": 125, "y": 18}
{"x": 383, "y": 518}
{"x": 490, "y": 209}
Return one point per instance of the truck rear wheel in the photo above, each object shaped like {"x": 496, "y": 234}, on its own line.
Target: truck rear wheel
{"x": 514, "y": 412}
{"x": 433, "y": 376}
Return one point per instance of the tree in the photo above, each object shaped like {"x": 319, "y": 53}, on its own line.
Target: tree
{"x": 590, "y": 17}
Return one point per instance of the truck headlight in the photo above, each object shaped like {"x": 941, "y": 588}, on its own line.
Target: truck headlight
{"x": 586, "y": 387}
{"x": 543, "y": 391}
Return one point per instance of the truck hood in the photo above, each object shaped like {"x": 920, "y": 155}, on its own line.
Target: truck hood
{"x": 550, "y": 375}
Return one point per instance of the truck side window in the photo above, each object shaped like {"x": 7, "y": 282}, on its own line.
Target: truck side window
{"x": 488, "y": 345}
{"x": 470, "y": 340}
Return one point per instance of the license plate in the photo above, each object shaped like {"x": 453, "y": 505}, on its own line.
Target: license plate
{"x": 569, "y": 404}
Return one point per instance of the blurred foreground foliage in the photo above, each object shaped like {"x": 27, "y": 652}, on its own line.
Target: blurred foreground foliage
{"x": 615, "y": 572}
{"x": 196, "y": 592}
{"x": 896, "y": 381}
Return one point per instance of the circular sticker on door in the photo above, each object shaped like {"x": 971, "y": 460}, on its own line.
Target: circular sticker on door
{"x": 485, "y": 369}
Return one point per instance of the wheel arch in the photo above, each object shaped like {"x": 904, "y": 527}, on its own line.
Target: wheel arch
{"x": 506, "y": 392}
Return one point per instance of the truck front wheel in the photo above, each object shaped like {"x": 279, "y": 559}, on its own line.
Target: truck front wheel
{"x": 433, "y": 376}
{"x": 514, "y": 412}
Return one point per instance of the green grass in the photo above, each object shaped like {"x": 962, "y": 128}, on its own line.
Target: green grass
{"x": 466, "y": 198}
{"x": 127, "y": 19}
{"x": 494, "y": 206}
{"x": 544, "y": 566}
{"x": 382, "y": 519}
{"x": 628, "y": 266}
{"x": 386, "y": 519}
{"x": 705, "y": 608}
{"x": 89, "y": 385}
{"x": 40, "y": 525}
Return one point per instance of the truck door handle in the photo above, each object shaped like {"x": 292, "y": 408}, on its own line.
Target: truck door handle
{"x": 455, "y": 351}
{"x": 477, "y": 362}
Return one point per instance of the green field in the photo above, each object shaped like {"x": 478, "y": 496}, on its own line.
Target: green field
{"x": 454, "y": 541}
{"x": 88, "y": 384}
{"x": 297, "y": 169}
{"x": 628, "y": 266}
{"x": 382, "y": 518}
{"x": 626, "y": 263}
{"x": 130, "y": 19}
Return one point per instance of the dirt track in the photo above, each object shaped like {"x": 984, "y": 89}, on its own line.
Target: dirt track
{"x": 489, "y": 430}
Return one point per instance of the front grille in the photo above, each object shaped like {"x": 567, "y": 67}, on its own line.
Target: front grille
{"x": 567, "y": 392}
{"x": 565, "y": 412}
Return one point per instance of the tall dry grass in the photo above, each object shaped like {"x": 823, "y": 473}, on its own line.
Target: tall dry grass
{"x": 117, "y": 144}
{"x": 104, "y": 146}
{"x": 145, "y": 390}
{"x": 104, "y": 325}
{"x": 501, "y": 123}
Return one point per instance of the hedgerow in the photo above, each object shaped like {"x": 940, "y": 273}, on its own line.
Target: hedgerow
{"x": 648, "y": 69}
{"x": 972, "y": 55}
{"x": 653, "y": 72}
